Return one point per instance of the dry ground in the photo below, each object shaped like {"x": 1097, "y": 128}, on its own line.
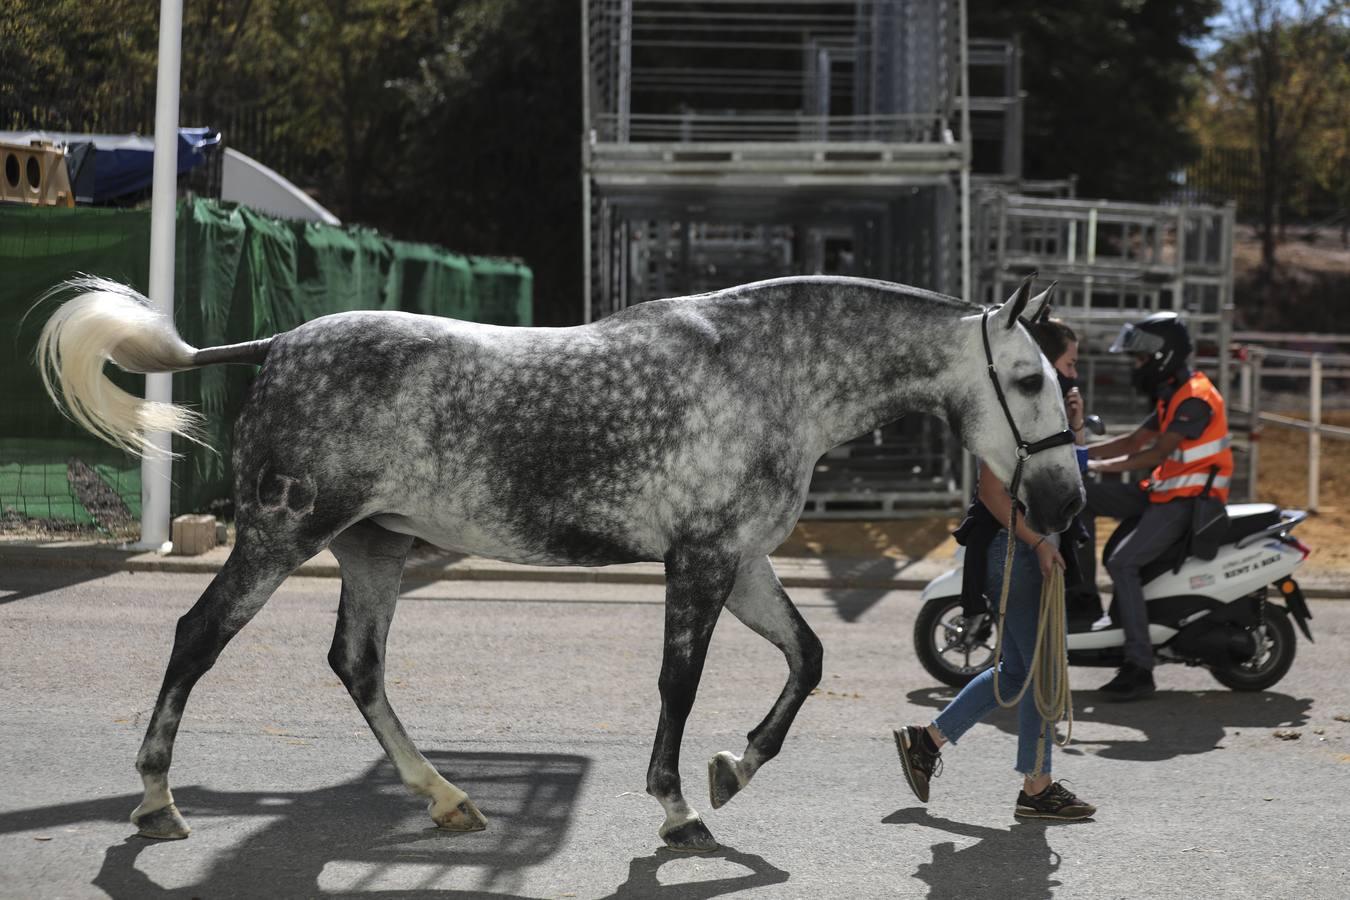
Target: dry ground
{"x": 1283, "y": 475}
{"x": 1304, "y": 249}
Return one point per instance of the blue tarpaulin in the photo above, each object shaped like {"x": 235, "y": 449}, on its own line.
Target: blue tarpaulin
{"x": 104, "y": 167}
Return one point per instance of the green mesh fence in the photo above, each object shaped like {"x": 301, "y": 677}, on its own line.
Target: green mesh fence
{"x": 69, "y": 481}
{"x": 239, "y": 276}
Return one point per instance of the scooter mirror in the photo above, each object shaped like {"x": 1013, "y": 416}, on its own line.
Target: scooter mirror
{"x": 1095, "y": 425}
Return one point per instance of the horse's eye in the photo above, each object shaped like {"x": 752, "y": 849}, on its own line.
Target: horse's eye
{"x": 1031, "y": 384}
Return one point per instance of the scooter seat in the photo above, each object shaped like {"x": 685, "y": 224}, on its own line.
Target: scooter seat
{"x": 1248, "y": 518}
{"x": 1243, "y": 519}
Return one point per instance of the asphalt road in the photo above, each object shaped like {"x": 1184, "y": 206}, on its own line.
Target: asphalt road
{"x": 540, "y": 700}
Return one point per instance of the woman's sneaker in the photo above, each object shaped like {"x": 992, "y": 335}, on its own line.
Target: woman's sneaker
{"x": 921, "y": 765}
{"x": 1055, "y": 802}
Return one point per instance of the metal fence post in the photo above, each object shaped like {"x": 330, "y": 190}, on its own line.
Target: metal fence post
{"x": 967, "y": 475}
{"x": 1245, "y": 386}
{"x": 1315, "y": 431}
{"x": 1254, "y": 435}
{"x": 1091, "y": 385}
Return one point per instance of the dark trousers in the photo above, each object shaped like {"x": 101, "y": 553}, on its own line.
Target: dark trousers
{"x": 1161, "y": 526}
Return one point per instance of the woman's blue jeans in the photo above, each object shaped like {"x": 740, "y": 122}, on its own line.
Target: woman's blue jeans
{"x": 976, "y": 700}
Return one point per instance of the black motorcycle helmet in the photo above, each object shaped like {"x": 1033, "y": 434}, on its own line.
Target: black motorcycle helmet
{"x": 1163, "y": 342}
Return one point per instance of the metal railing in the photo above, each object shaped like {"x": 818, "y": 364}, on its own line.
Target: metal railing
{"x": 664, "y": 69}
{"x": 1296, "y": 366}
{"x": 694, "y": 127}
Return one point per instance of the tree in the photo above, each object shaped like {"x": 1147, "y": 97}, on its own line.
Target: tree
{"x": 314, "y": 82}
{"x": 1279, "y": 84}
{"x": 1107, "y": 84}
{"x": 60, "y": 58}
{"x": 493, "y": 161}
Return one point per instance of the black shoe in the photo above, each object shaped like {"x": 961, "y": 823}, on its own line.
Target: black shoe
{"x": 920, "y": 765}
{"x": 1132, "y": 682}
{"x": 1055, "y": 802}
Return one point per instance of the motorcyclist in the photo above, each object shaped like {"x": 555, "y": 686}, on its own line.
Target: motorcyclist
{"x": 1185, "y": 444}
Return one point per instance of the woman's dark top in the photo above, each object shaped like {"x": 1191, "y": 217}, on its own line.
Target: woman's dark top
{"x": 977, "y": 531}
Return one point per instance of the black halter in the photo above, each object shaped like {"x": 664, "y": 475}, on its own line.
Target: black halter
{"x": 1024, "y": 450}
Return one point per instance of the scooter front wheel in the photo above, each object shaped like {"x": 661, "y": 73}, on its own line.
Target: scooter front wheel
{"x": 951, "y": 647}
{"x": 1275, "y": 654}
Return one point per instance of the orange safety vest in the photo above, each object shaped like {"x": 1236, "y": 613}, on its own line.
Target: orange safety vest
{"x": 1185, "y": 471}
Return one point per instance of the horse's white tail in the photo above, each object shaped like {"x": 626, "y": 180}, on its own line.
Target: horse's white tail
{"x": 110, "y": 321}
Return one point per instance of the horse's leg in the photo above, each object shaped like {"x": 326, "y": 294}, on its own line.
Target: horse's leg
{"x": 256, "y": 567}
{"x": 372, "y": 568}
{"x": 697, "y": 583}
{"x": 759, "y": 601}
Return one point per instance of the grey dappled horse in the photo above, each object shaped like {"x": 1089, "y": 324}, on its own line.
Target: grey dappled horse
{"x": 683, "y": 431}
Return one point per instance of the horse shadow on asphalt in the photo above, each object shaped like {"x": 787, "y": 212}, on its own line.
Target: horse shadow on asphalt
{"x": 354, "y": 835}
{"x": 18, "y": 583}
{"x": 1004, "y": 862}
{"x": 1173, "y": 723}
{"x": 875, "y": 575}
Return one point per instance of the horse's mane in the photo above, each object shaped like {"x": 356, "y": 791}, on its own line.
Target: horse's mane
{"x": 876, "y": 284}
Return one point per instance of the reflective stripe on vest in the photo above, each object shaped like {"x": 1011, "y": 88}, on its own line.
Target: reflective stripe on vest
{"x": 1200, "y": 451}
{"x": 1221, "y": 482}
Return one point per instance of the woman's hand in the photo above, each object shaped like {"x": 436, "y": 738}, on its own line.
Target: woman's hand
{"x": 1048, "y": 556}
{"x": 1073, "y": 407}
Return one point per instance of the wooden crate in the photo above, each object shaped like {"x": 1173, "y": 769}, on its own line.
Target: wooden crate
{"x": 193, "y": 535}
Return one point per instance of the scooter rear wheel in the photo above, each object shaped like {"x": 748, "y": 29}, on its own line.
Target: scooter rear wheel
{"x": 953, "y": 649}
{"x": 1272, "y": 661}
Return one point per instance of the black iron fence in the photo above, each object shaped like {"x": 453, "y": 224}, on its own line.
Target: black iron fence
{"x": 1233, "y": 174}
{"x": 250, "y": 128}
{"x": 1221, "y": 175}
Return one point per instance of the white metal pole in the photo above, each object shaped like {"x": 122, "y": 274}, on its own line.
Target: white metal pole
{"x": 967, "y": 461}
{"x": 625, "y": 104}
{"x": 1254, "y": 437}
{"x": 587, "y": 129}
{"x": 963, "y": 26}
{"x": 157, "y": 468}
{"x": 1315, "y": 433}
{"x": 1226, "y": 308}
{"x": 1245, "y": 386}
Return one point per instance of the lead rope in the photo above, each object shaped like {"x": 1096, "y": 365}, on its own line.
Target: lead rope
{"x": 1049, "y": 669}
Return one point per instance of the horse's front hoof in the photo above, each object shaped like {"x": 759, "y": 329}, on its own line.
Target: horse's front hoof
{"x": 691, "y": 837}
{"x": 724, "y": 778}
{"x": 464, "y": 817}
{"x": 163, "y": 824}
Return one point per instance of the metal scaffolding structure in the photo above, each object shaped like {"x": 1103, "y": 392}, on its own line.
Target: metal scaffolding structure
{"x": 1115, "y": 262}
{"x": 736, "y": 139}
{"x": 726, "y": 141}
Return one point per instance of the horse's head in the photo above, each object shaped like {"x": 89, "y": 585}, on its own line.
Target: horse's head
{"x": 1027, "y": 423}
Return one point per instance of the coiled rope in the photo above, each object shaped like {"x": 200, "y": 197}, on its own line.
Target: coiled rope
{"x": 1049, "y": 668}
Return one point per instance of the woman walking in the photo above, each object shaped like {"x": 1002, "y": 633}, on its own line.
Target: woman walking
{"x": 1034, "y": 557}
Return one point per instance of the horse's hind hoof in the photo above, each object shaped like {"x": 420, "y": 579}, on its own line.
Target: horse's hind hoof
{"x": 464, "y": 817}
{"x": 163, "y": 824}
{"x": 691, "y": 837}
{"x": 724, "y": 778}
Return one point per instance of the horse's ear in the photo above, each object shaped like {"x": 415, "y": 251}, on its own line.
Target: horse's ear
{"x": 1038, "y": 309}
{"x": 1017, "y": 302}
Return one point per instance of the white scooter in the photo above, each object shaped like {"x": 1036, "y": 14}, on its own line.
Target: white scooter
{"x": 1214, "y": 613}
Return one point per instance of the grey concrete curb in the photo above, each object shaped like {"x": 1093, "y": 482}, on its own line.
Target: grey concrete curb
{"x": 833, "y": 573}
{"x": 836, "y": 573}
